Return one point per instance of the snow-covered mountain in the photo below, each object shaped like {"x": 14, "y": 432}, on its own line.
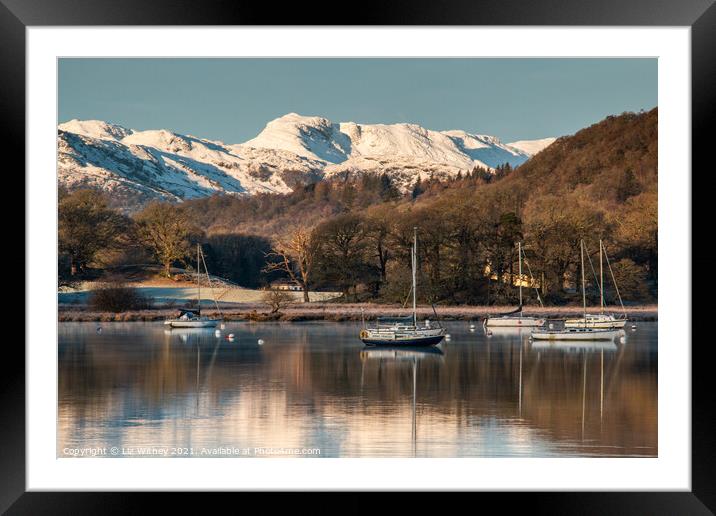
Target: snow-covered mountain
{"x": 159, "y": 164}
{"x": 290, "y": 151}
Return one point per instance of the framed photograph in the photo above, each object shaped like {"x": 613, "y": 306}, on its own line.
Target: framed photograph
{"x": 443, "y": 249}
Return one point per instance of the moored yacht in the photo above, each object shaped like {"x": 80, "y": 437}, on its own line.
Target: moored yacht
{"x": 191, "y": 317}
{"x": 601, "y": 320}
{"x": 516, "y": 317}
{"x": 404, "y": 331}
{"x": 582, "y": 332}
{"x": 393, "y": 332}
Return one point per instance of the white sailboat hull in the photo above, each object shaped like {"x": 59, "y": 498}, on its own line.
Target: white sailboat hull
{"x": 596, "y": 321}
{"x": 576, "y": 334}
{"x": 514, "y": 322}
{"x": 203, "y": 323}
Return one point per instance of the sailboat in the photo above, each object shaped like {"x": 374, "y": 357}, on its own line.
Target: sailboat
{"x": 404, "y": 331}
{"x": 582, "y": 332}
{"x": 191, "y": 317}
{"x": 509, "y": 320}
{"x": 601, "y": 320}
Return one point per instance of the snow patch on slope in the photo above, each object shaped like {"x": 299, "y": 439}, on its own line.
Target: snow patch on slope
{"x": 532, "y": 147}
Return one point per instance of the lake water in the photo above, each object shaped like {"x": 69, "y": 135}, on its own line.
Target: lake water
{"x": 313, "y": 390}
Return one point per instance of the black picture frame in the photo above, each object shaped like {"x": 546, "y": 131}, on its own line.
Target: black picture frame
{"x": 700, "y": 15}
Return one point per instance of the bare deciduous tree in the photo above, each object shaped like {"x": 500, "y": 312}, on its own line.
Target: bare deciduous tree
{"x": 277, "y": 299}
{"x": 295, "y": 256}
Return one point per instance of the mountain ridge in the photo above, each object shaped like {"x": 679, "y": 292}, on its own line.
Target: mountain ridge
{"x": 292, "y": 150}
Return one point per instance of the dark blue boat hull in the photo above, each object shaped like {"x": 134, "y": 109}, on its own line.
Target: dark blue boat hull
{"x": 415, "y": 343}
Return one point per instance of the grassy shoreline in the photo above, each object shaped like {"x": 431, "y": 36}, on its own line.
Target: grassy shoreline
{"x": 344, "y": 312}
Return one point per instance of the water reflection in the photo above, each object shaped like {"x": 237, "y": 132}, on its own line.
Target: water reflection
{"x": 572, "y": 346}
{"x": 314, "y": 385}
{"x": 506, "y": 332}
{"x": 405, "y": 355}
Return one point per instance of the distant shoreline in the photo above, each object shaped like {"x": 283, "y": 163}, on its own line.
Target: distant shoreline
{"x": 345, "y": 312}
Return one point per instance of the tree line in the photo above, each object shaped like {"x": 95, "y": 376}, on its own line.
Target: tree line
{"x": 466, "y": 250}
{"x": 354, "y": 236}
{"x": 94, "y": 237}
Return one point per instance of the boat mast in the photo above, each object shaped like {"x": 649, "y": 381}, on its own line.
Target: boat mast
{"x": 614, "y": 280}
{"x": 198, "y": 281}
{"x": 601, "y": 278}
{"x": 519, "y": 251}
{"x": 415, "y": 389}
{"x": 414, "y": 265}
{"x": 584, "y": 295}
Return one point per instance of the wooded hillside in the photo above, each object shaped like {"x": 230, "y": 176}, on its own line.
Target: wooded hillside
{"x": 598, "y": 183}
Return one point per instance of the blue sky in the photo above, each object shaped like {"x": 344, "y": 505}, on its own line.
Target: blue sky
{"x": 233, "y": 99}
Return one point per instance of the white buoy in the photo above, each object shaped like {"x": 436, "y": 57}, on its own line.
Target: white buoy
{"x": 551, "y": 326}
{"x": 223, "y": 326}
{"x": 217, "y": 333}
{"x": 261, "y": 342}
{"x": 633, "y": 326}
{"x": 622, "y": 339}
{"x": 231, "y": 336}
{"x": 472, "y": 326}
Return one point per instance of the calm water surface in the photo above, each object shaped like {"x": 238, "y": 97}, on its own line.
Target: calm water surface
{"x": 313, "y": 390}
